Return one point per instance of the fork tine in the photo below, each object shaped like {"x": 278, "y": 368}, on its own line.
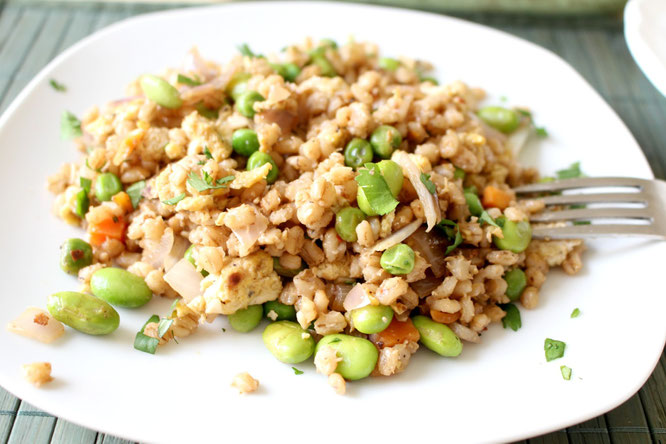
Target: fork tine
{"x": 596, "y": 230}
{"x": 592, "y": 213}
{"x": 583, "y": 182}
{"x": 588, "y": 198}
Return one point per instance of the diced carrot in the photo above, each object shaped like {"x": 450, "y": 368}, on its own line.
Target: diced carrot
{"x": 444, "y": 318}
{"x": 494, "y": 197}
{"x": 124, "y": 201}
{"x": 113, "y": 228}
{"x": 396, "y": 333}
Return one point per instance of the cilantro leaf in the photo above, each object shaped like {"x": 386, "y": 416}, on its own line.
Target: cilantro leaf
{"x": 376, "y": 190}
{"x": 566, "y": 372}
{"x": 570, "y": 173}
{"x": 174, "y": 200}
{"x": 459, "y": 173}
{"x": 512, "y": 318}
{"x": 425, "y": 179}
{"x": 70, "y": 126}
{"x": 86, "y": 184}
{"x": 57, "y": 86}
{"x": 575, "y": 313}
{"x": 163, "y": 327}
{"x": 207, "y": 153}
{"x": 486, "y": 218}
{"x": 297, "y": 371}
{"x": 206, "y": 182}
{"x": 144, "y": 342}
{"x": 452, "y": 232}
{"x": 541, "y": 131}
{"x": 188, "y": 80}
{"x": 554, "y": 349}
{"x": 134, "y": 191}
{"x": 244, "y": 49}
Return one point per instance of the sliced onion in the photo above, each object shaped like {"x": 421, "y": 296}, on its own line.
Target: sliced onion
{"x": 285, "y": 119}
{"x": 180, "y": 245}
{"x": 356, "y": 298}
{"x": 154, "y": 252}
{"x": 248, "y": 235}
{"x": 424, "y": 287}
{"x": 338, "y": 293}
{"x": 465, "y": 333}
{"x": 195, "y": 63}
{"x": 35, "y": 323}
{"x": 518, "y": 139}
{"x": 185, "y": 280}
{"x": 413, "y": 173}
{"x": 432, "y": 247}
{"x": 398, "y": 236}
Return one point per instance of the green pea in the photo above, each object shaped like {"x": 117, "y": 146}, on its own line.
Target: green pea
{"x": 437, "y": 337}
{"x": 516, "y": 282}
{"x": 245, "y": 102}
{"x": 517, "y": 235}
{"x": 358, "y": 152}
{"x": 284, "y": 312}
{"x": 247, "y": 319}
{"x": 82, "y": 204}
{"x": 189, "y": 255}
{"x": 259, "y": 159}
{"x": 502, "y": 119}
{"x": 107, "y": 186}
{"x": 288, "y": 71}
{"x": 245, "y": 141}
{"x": 388, "y": 64}
{"x": 346, "y": 221}
{"x": 238, "y": 84}
{"x": 83, "y": 312}
{"x": 288, "y": 342}
{"x": 459, "y": 173}
{"x": 359, "y": 356}
{"x": 160, "y": 91}
{"x": 399, "y": 259}
{"x": 384, "y": 140}
{"x": 326, "y": 69}
{"x": 120, "y": 287}
{"x": 474, "y": 204}
{"x": 74, "y": 255}
{"x": 285, "y": 272}
{"x": 372, "y": 318}
{"x": 392, "y": 173}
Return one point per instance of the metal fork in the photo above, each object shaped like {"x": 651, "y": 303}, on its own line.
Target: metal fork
{"x": 648, "y": 195}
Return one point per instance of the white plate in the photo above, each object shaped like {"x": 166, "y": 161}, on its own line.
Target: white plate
{"x": 500, "y": 390}
{"x": 645, "y": 31}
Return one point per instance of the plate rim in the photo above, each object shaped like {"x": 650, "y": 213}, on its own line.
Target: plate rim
{"x": 642, "y": 53}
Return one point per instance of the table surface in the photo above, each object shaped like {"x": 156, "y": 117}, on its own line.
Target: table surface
{"x": 31, "y": 34}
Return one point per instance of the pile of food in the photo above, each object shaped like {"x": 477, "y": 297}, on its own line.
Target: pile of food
{"x": 353, "y": 202}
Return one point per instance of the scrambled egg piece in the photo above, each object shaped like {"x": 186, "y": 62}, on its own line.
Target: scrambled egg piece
{"x": 242, "y": 282}
{"x": 554, "y": 251}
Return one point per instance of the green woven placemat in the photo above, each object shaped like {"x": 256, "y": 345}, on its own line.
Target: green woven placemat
{"x": 31, "y": 34}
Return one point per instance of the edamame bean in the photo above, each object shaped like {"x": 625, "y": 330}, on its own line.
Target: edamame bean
{"x": 358, "y": 152}
{"x": 359, "y": 356}
{"x": 238, "y": 84}
{"x": 120, "y": 287}
{"x": 384, "y": 140}
{"x": 283, "y": 312}
{"x": 502, "y": 119}
{"x": 288, "y": 342}
{"x": 388, "y": 64}
{"x": 474, "y": 204}
{"x": 83, "y": 312}
{"x": 160, "y": 91}
{"x": 399, "y": 259}
{"x": 247, "y": 319}
{"x": 245, "y": 141}
{"x": 517, "y": 235}
{"x": 516, "y": 282}
{"x": 392, "y": 173}
{"x": 245, "y": 102}
{"x": 259, "y": 159}
{"x": 82, "y": 204}
{"x": 346, "y": 221}
{"x": 372, "y": 318}
{"x": 437, "y": 337}
{"x": 285, "y": 272}
{"x": 74, "y": 255}
{"x": 107, "y": 186}
{"x": 189, "y": 255}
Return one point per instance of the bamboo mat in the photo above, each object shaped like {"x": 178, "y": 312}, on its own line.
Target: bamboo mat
{"x": 31, "y": 34}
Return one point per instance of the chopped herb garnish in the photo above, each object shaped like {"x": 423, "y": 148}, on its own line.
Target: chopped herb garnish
{"x": 134, "y": 191}
{"x": 224, "y": 330}
{"x": 512, "y": 318}
{"x": 554, "y": 349}
{"x": 566, "y": 372}
{"x": 334, "y": 340}
{"x": 187, "y": 80}
{"x": 163, "y": 327}
{"x": 246, "y": 51}
{"x": 575, "y": 313}
{"x": 425, "y": 179}
{"x": 570, "y": 173}
{"x": 541, "y": 131}
{"x": 86, "y": 184}
{"x": 70, "y": 126}
{"x": 297, "y": 371}
{"x": 174, "y": 200}
{"x": 146, "y": 343}
{"x": 207, "y": 153}
{"x": 376, "y": 189}
{"x": 452, "y": 232}
{"x": 207, "y": 182}
{"x": 459, "y": 173}
{"x": 486, "y": 218}
{"x": 524, "y": 112}
{"x": 174, "y": 304}
{"x": 206, "y": 112}
{"x": 57, "y": 86}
